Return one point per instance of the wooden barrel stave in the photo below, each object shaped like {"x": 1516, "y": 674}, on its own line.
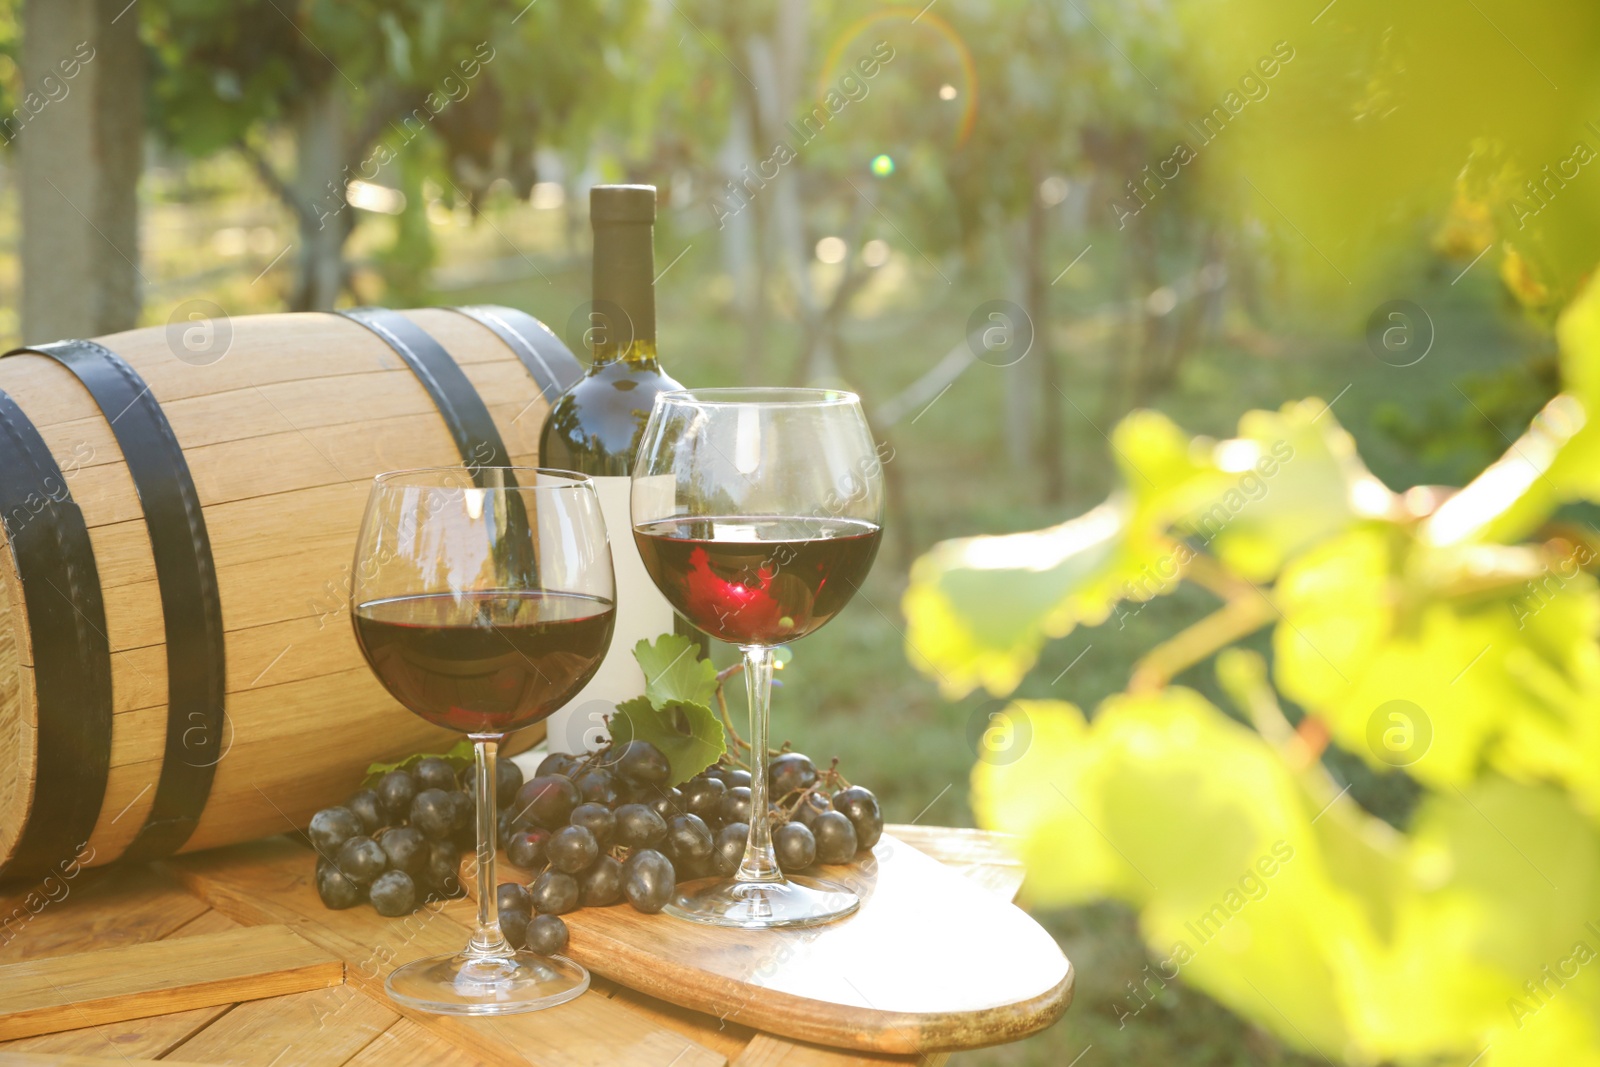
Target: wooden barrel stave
{"x": 263, "y": 474}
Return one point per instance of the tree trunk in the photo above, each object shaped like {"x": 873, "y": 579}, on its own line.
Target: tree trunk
{"x": 1021, "y": 384}
{"x": 318, "y": 187}
{"x": 80, "y": 124}
{"x": 1052, "y": 441}
{"x": 740, "y": 227}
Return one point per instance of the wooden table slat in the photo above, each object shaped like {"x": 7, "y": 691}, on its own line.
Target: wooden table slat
{"x": 320, "y": 1028}
{"x": 136, "y": 981}
{"x": 407, "y": 1044}
{"x": 101, "y": 908}
{"x": 356, "y": 1024}
{"x": 270, "y": 881}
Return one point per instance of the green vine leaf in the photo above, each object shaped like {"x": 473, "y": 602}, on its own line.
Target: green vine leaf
{"x": 460, "y": 757}
{"x": 674, "y": 671}
{"x": 688, "y": 733}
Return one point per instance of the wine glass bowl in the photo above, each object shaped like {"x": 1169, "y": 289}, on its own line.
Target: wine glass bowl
{"x": 757, "y": 513}
{"x": 484, "y": 600}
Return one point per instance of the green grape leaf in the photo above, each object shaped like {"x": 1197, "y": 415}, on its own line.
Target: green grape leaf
{"x": 1265, "y": 887}
{"x": 689, "y": 734}
{"x": 1484, "y": 652}
{"x": 674, "y": 671}
{"x": 1578, "y": 332}
{"x": 1556, "y": 460}
{"x": 1290, "y": 480}
{"x": 980, "y": 608}
{"x": 460, "y": 757}
{"x": 1168, "y": 804}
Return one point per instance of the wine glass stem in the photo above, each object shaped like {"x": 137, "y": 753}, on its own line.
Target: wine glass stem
{"x": 760, "y": 862}
{"x": 487, "y": 940}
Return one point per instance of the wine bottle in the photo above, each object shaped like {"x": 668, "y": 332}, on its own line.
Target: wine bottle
{"x": 594, "y": 428}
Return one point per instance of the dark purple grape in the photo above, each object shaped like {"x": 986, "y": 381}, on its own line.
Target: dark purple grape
{"x": 368, "y": 810}
{"x": 512, "y": 896}
{"x": 642, "y": 762}
{"x": 464, "y": 808}
{"x": 639, "y": 826}
{"x": 525, "y": 848}
{"x": 739, "y": 776}
{"x": 688, "y": 868}
{"x": 434, "y": 773}
{"x": 666, "y": 802}
{"x": 703, "y": 796}
{"x": 406, "y": 849}
{"x": 361, "y": 859}
{"x": 730, "y": 846}
{"x": 795, "y": 845}
{"x": 337, "y": 891}
{"x": 393, "y": 894}
{"x": 790, "y": 772}
{"x": 688, "y": 838}
{"x": 434, "y": 813}
{"x": 598, "y": 820}
{"x": 508, "y": 779}
{"x": 861, "y": 808}
{"x": 736, "y": 805}
{"x": 558, "y": 763}
{"x": 514, "y": 926}
{"x": 571, "y": 849}
{"x": 332, "y": 827}
{"x": 719, "y": 771}
{"x": 601, "y": 884}
{"x": 547, "y": 800}
{"x": 596, "y": 785}
{"x": 546, "y": 935}
{"x": 811, "y": 805}
{"x": 836, "y": 837}
{"x": 631, "y": 792}
{"x": 554, "y": 893}
{"x": 648, "y": 880}
{"x": 395, "y": 792}
{"x": 442, "y": 876}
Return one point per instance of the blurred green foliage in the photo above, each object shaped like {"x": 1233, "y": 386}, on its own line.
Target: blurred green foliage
{"x": 1455, "y": 633}
{"x": 1413, "y": 631}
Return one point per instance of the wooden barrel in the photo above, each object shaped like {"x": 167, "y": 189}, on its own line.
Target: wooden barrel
{"x": 180, "y": 505}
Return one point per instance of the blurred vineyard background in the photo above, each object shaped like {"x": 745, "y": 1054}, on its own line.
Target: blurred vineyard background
{"x": 1009, "y": 225}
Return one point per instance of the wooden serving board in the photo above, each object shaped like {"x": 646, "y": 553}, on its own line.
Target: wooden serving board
{"x": 890, "y": 978}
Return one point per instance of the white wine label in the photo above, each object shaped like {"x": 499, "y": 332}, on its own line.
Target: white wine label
{"x": 643, "y": 614}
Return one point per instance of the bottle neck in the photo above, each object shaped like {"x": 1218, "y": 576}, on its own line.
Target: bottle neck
{"x": 623, "y": 314}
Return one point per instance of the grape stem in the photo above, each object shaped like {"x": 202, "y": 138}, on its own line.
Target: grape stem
{"x": 1236, "y": 619}
{"x": 722, "y": 710}
{"x": 827, "y": 776}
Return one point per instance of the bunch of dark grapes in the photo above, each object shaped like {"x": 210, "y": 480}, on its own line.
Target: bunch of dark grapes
{"x": 399, "y": 844}
{"x": 600, "y": 828}
{"x": 590, "y": 830}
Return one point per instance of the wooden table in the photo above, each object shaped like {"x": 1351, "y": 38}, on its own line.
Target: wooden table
{"x": 353, "y": 1023}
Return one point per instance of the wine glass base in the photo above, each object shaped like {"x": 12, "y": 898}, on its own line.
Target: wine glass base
{"x": 500, "y": 985}
{"x": 797, "y": 901}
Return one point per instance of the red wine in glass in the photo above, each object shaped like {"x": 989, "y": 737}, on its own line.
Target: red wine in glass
{"x": 757, "y": 513}
{"x": 485, "y": 662}
{"x": 758, "y": 580}
{"x": 483, "y": 599}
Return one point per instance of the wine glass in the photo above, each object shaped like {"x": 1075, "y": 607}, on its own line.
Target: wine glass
{"x": 483, "y": 600}
{"x": 758, "y": 513}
